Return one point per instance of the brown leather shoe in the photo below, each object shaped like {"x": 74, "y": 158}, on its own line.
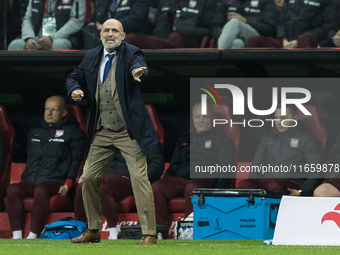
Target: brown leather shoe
{"x": 87, "y": 237}
{"x": 147, "y": 240}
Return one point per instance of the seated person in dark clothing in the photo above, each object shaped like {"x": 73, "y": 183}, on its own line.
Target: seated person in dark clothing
{"x": 55, "y": 150}
{"x": 193, "y": 22}
{"x": 302, "y": 24}
{"x": 286, "y": 144}
{"x": 116, "y": 186}
{"x": 161, "y": 28}
{"x": 133, "y": 14}
{"x": 9, "y": 28}
{"x": 332, "y": 26}
{"x": 238, "y": 20}
{"x": 204, "y": 144}
{"x": 331, "y": 187}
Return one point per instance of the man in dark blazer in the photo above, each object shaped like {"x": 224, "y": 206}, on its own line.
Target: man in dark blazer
{"x": 117, "y": 120}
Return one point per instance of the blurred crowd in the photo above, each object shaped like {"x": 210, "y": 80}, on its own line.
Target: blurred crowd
{"x": 164, "y": 24}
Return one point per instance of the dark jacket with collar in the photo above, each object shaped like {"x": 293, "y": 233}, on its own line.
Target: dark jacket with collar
{"x": 54, "y": 153}
{"x": 308, "y": 17}
{"x": 334, "y": 158}
{"x": 207, "y": 149}
{"x": 196, "y": 18}
{"x": 133, "y": 14}
{"x": 260, "y": 14}
{"x": 295, "y": 148}
{"x": 332, "y": 22}
{"x": 138, "y": 121}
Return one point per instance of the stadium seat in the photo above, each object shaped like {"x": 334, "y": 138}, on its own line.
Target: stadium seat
{"x": 213, "y": 43}
{"x": 240, "y": 176}
{"x": 314, "y": 125}
{"x": 128, "y": 204}
{"x": 205, "y": 43}
{"x": 166, "y": 166}
{"x": 89, "y": 13}
{"x": 58, "y": 203}
{"x": 156, "y": 123}
{"x": 75, "y": 111}
{"x": 176, "y": 205}
{"x": 7, "y": 136}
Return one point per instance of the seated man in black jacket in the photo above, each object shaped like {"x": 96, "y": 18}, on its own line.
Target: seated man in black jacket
{"x": 192, "y": 23}
{"x": 237, "y": 20}
{"x": 55, "y": 150}
{"x": 161, "y": 28}
{"x": 116, "y": 186}
{"x": 205, "y": 145}
{"x": 331, "y": 187}
{"x": 286, "y": 145}
{"x": 332, "y": 26}
{"x": 301, "y": 24}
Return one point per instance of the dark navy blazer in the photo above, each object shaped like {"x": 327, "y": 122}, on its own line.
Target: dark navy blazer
{"x": 138, "y": 122}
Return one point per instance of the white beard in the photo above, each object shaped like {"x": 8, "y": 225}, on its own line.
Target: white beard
{"x": 114, "y": 45}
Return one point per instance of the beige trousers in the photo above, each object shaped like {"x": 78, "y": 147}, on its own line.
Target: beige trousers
{"x": 105, "y": 144}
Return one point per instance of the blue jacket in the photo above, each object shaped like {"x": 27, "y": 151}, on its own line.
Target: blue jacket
{"x": 138, "y": 122}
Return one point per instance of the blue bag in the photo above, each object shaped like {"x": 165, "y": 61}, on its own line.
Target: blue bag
{"x": 67, "y": 228}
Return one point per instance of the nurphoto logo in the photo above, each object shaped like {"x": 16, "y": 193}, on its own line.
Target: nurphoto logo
{"x": 238, "y": 103}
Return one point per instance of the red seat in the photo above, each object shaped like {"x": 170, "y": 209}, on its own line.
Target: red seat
{"x": 58, "y": 203}
{"x": 314, "y": 125}
{"x": 88, "y": 13}
{"x": 156, "y": 123}
{"x": 176, "y": 205}
{"x": 240, "y": 176}
{"x": 75, "y": 111}
{"x": 166, "y": 166}
{"x": 128, "y": 204}
{"x": 205, "y": 43}
{"x": 7, "y": 136}
{"x": 213, "y": 43}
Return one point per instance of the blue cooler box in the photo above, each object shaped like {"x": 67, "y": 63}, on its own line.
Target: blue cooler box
{"x": 234, "y": 214}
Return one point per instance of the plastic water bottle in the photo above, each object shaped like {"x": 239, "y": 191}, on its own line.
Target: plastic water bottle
{"x": 268, "y": 242}
{"x": 190, "y": 233}
{"x": 183, "y": 234}
{"x": 159, "y": 236}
